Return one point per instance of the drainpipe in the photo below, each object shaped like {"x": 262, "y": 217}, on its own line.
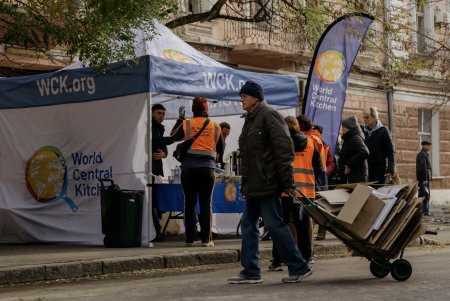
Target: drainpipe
{"x": 391, "y": 120}
{"x": 390, "y": 91}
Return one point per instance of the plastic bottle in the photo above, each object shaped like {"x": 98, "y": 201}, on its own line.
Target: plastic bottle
{"x": 177, "y": 176}
{"x": 218, "y": 170}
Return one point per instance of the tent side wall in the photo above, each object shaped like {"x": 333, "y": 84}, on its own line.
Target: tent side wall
{"x": 63, "y": 131}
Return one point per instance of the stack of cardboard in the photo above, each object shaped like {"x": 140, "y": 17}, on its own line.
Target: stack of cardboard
{"x": 333, "y": 200}
{"x": 403, "y": 222}
{"x": 385, "y": 219}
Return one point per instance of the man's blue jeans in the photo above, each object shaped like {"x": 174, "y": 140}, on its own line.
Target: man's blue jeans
{"x": 270, "y": 209}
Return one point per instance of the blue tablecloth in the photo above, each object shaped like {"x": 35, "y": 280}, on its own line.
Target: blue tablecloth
{"x": 170, "y": 198}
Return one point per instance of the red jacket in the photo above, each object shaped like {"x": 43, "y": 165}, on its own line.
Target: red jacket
{"x": 330, "y": 160}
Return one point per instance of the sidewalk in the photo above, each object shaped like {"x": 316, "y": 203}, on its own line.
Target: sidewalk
{"x": 32, "y": 263}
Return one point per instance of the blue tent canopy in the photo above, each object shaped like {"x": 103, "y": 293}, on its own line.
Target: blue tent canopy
{"x": 169, "y": 69}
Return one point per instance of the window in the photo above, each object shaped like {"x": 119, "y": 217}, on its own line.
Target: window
{"x": 421, "y": 45}
{"x": 429, "y": 130}
{"x": 425, "y": 125}
{"x": 200, "y": 6}
{"x": 193, "y": 6}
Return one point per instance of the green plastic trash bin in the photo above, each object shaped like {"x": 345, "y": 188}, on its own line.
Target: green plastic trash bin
{"x": 121, "y": 215}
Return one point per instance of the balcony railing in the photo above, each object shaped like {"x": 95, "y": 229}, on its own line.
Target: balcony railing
{"x": 238, "y": 33}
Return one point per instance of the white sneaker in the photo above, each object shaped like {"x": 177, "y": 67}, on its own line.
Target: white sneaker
{"x": 207, "y": 244}
{"x": 244, "y": 280}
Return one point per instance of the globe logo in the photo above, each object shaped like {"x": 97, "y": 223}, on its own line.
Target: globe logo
{"x": 230, "y": 192}
{"x": 175, "y": 55}
{"x": 46, "y": 176}
{"x": 330, "y": 66}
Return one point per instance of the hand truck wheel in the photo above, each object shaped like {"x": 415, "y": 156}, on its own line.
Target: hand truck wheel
{"x": 401, "y": 270}
{"x": 379, "y": 271}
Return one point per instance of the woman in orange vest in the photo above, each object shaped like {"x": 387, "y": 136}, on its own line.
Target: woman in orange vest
{"x": 307, "y": 164}
{"x": 197, "y": 169}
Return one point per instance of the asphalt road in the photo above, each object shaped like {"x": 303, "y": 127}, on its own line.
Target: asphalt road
{"x": 346, "y": 278}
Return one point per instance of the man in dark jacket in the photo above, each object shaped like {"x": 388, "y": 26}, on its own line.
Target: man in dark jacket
{"x": 352, "y": 164}
{"x": 379, "y": 142}
{"x": 226, "y": 128}
{"x": 267, "y": 153}
{"x": 423, "y": 175}
{"x": 159, "y": 151}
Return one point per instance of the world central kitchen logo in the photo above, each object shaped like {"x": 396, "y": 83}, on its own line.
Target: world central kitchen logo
{"x": 46, "y": 175}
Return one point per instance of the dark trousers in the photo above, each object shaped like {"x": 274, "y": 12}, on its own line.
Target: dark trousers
{"x": 156, "y": 213}
{"x": 198, "y": 183}
{"x": 322, "y": 183}
{"x": 424, "y": 191}
{"x": 377, "y": 175}
{"x": 302, "y": 224}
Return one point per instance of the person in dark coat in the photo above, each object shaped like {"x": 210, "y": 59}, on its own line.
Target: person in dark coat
{"x": 267, "y": 153}
{"x": 423, "y": 175}
{"x": 159, "y": 151}
{"x": 379, "y": 142}
{"x": 226, "y": 128}
{"x": 159, "y": 142}
{"x": 352, "y": 164}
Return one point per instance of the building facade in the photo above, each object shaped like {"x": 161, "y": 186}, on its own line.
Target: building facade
{"x": 409, "y": 108}
{"x": 412, "y": 108}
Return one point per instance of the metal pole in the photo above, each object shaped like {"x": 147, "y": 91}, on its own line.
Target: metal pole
{"x": 149, "y": 168}
{"x": 391, "y": 120}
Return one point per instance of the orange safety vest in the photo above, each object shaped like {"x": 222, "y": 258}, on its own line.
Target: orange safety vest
{"x": 317, "y": 137}
{"x": 206, "y": 143}
{"x": 304, "y": 172}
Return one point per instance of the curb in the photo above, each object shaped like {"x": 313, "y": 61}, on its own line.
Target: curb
{"x": 98, "y": 267}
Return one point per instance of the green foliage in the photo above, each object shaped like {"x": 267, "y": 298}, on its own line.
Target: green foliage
{"x": 315, "y": 18}
{"x": 98, "y": 31}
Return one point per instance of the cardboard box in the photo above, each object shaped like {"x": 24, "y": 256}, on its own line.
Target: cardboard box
{"x": 361, "y": 210}
{"x": 331, "y": 208}
{"x": 363, "y": 224}
{"x": 337, "y": 196}
{"x": 354, "y": 204}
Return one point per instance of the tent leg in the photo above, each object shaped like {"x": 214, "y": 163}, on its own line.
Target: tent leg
{"x": 150, "y": 227}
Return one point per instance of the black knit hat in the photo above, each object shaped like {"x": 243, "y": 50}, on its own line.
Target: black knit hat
{"x": 350, "y": 123}
{"x": 252, "y": 89}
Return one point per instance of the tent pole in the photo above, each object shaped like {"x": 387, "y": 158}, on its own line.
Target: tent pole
{"x": 149, "y": 168}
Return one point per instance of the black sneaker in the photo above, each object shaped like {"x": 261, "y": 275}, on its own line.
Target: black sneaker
{"x": 311, "y": 261}
{"x": 265, "y": 236}
{"x": 320, "y": 236}
{"x": 275, "y": 267}
{"x": 297, "y": 278}
{"x": 158, "y": 237}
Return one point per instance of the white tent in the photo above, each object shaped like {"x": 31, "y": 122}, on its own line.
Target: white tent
{"x": 97, "y": 126}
